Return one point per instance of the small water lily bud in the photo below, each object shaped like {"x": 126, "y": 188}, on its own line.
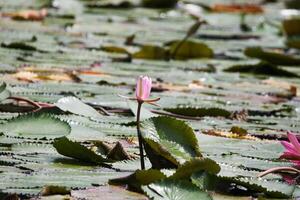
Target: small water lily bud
{"x": 142, "y": 91}
{"x": 143, "y": 88}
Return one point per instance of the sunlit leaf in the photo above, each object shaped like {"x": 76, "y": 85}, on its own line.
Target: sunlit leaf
{"x": 75, "y": 106}
{"x": 35, "y": 126}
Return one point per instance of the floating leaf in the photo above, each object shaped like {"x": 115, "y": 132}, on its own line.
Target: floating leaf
{"x": 170, "y": 139}
{"x": 159, "y": 3}
{"x": 75, "y": 106}
{"x": 199, "y": 112}
{"x": 35, "y": 126}
{"x": 293, "y": 42}
{"x": 146, "y": 177}
{"x": 130, "y": 165}
{"x": 190, "y": 49}
{"x": 151, "y": 52}
{"x": 18, "y": 45}
{"x": 71, "y": 149}
{"x": 262, "y": 68}
{"x": 272, "y": 188}
{"x": 217, "y": 196}
{"x": 109, "y": 192}
{"x": 272, "y": 57}
{"x": 54, "y": 190}
{"x": 175, "y": 189}
{"x": 139, "y": 178}
{"x": 186, "y": 170}
{"x": 238, "y": 130}
{"x": 291, "y": 26}
{"x": 115, "y": 49}
{"x": 112, "y": 4}
{"x": 73, "y": 52}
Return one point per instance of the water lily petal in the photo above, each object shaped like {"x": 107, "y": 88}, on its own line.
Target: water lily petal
{"x": 138, "y": 89}
{"x": 290, "y": 156}
{"x": 289, "y": 146}
{"x": 293, "y": 139}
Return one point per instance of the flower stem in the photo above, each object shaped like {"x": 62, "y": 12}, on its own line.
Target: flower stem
{"x": 140, "y": 135}
{"x": 30, "y": 102}
{"x": 276, "y": 169}
{"x": 173, "y": 55}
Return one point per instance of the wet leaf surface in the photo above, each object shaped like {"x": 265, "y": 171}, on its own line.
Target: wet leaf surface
{"x": 234, "y": 94}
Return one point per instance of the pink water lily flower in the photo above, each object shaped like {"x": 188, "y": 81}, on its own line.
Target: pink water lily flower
{"x": 292, "y": 149}
{"x": 142, "y": 94}
{"x": 143, "y": 90}
{"x": 292, "y": 153}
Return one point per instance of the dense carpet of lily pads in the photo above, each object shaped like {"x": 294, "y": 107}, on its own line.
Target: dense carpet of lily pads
{"x": 225, "y": 93}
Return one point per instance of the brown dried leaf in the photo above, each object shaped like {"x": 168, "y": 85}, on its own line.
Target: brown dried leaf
{"x": 222, "y": 133}
{"x": 33, "y": 15}
{"x": 238, "y": 8}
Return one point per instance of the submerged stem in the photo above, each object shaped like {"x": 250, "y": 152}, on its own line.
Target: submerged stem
{"x": 140, "y": 135}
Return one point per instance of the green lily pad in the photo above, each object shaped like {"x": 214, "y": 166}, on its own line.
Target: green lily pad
{"x": 170, "y": 139}
{"x": 291, "y": 26}
{"x": 171, "y": 189}
{"x": 159, "y": 3}
{"x": 35, "y": 126}
{"x": 109, "y": 192}
{"x": 19, "y": 45}
{"x": 151, "y": 52}
{"x": 293, "y": 42}
{"x": 199, "y": 112}
{"x": 272, "y": 57}
{"x": 198, "y": 164}
{"x": 262, "y": 68}
{"x": 139, "y": 178}
{"x": 190, "y": 49}
{"x": 75, "y": 150}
